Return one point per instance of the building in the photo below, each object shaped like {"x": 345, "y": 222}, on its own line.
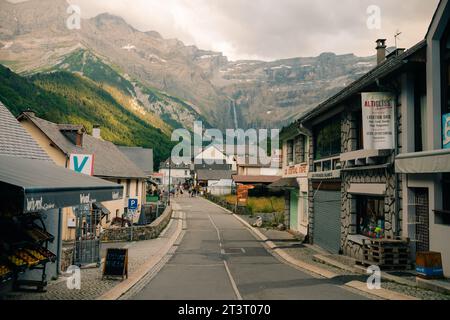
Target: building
{"x": 295, "y": 178}
{"x": 175, "y": 173}
{"x": 61, "y": 141}
{"x": 254, "y": 172}
{"x": 33, "y": 192}
{"x": 215, "y": 179}
{"x": 423, "y": 162}
{"x": 141, "y": 157}
{"x": 378, "y": 159}
{"x": 214, "y": 154}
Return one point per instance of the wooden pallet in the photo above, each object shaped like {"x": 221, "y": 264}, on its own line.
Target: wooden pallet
{"x": 386, "y": 255}
{"x": 388, "y": 267}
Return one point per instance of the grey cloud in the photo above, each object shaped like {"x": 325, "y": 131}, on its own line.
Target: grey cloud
{"x": 273, "y": 29}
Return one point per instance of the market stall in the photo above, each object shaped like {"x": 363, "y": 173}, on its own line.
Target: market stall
{"x": 31, "y": 194}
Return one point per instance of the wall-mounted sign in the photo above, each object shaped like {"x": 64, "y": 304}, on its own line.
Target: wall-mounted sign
{"x": 326, "y": 175}
{"x": 82, "y": 163}
{"x": 378, "y": 120}
{"x": 446, "y": 131}
{"x": 296, "y": 170}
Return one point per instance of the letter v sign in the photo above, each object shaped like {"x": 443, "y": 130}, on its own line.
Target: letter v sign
{"x": 82, "y": 163}
{"x": 79, "y": 167}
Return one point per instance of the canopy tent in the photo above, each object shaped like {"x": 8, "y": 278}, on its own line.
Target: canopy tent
{"x": 29, "y": 185}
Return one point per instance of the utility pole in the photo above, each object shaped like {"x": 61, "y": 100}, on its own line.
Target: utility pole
{"x": 170, "y": 178}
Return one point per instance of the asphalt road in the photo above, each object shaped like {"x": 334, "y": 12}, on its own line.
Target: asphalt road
{"x": 219, "y": 259}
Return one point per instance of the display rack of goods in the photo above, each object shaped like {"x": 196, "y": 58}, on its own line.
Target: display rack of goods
{"x": 5, "y": 273}
{"x": 17, "y": 262}
{"x": 38, "y": 235}
{"x": 42, "y": 254}
{"x": 27, "y": 258}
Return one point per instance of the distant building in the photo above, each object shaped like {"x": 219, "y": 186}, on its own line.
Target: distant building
{"x": 256, "y": 174}
{"x": 60, "y": 141}
{"x": 141, "y": 157}
{"x": 175, "y": 173}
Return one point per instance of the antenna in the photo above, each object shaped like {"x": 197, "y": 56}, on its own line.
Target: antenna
{"x": 396, "y": 36}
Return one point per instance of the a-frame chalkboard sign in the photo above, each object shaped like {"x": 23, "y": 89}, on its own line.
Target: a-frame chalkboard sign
{"x": 116, "y": 263}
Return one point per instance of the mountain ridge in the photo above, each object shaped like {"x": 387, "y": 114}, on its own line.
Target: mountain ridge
{"x": 258, "y": 93}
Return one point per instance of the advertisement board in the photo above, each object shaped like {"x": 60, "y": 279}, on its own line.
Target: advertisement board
{"x": 446, "y": 131}
{"x": 82, "y": 163}
{"x": 378, "y": 120}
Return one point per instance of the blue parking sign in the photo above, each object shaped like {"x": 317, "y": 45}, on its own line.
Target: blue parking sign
{"x": 132, "y": 204}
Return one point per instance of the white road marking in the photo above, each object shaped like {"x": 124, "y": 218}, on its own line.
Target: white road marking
{"x": 233, "y": 283}
{"x": 230, "y": 276}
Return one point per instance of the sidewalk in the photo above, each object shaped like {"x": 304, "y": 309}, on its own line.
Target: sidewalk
{"x": 320, "y": 262}
{"x": 141, "y": 254}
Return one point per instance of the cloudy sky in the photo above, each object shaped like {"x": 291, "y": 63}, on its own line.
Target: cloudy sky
{"x": 273, "y": 29}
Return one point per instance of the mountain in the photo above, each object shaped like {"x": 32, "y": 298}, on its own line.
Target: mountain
{"x": 64, "y": 97}
{"x": 34, "y": 38}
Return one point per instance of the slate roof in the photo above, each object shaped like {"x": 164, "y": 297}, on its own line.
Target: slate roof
{"x": 15, "y": 140}
{"x": 109, "y": 161}
{"x": 142, "y": 158}
{"x": 208, "y": 175}
{"x": 384, "y": 69}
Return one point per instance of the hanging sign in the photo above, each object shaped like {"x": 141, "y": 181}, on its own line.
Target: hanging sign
{"x": 446, "y": 131}
{"x": 82, "y": 163}
{"x": 378, "y": 120}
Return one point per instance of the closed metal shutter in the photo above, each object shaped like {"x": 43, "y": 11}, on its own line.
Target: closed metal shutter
{"x": 327, "y": 220}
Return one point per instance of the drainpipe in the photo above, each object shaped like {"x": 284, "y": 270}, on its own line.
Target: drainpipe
{"x": 396, "y": 175}
{"x": 60, "y": 226}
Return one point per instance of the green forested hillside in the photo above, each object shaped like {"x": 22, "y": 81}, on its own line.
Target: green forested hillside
{"x": 64, "y": 97}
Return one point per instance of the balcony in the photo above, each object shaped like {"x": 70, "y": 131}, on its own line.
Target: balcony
{"x": 361, "y": 158}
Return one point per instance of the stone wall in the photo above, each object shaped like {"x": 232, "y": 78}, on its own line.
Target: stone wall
{"x": 138, "y": 233}
{"x": 374, "y": 176}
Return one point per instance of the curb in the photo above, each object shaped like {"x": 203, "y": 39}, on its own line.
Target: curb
{"x": 135, "y": 277}
{"x": 381, "y": 293}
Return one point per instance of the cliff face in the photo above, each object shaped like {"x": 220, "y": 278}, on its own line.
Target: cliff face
{"x": 34, "y": 38}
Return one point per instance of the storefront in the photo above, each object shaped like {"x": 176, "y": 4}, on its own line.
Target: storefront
{"x": 32, "y": 194}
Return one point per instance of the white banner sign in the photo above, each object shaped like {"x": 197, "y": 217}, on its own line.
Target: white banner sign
{"x": 82, "y": 163}
{"x": 378, "y": 120}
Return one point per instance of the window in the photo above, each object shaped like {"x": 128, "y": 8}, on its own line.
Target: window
{"x": 327, "y": 139}
{"x": 128, "y": 187}
{"x": 359, "y": 131}
{"x": 420, "y": 109}
{"x": 137, "y": 188}
{"x": 300, "y": 150}
{"x": 290, "y": 152}
{"x": 445, "y": 65}
{"x": 370, "y": 216}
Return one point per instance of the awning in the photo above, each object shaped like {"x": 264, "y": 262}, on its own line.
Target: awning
{"x": 285, "y": 183}
{"x": 28, "y": 185}
{"x": 102, "y": 208}
{"x": 423, "y": 162}
{"x": 256, "y": 179}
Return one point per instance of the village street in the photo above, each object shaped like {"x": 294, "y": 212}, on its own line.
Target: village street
{"x": 219, "y": 258}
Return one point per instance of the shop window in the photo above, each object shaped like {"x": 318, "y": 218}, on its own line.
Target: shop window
{"x": 370, "y": 217}
{"x": 327, "y": 139}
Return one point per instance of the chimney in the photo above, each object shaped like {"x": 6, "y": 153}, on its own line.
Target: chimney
{"x": 381, "y": 50}
{"x": 96, "y": 132}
